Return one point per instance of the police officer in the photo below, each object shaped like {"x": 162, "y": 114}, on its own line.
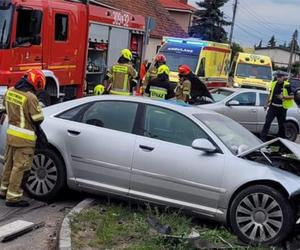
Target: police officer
{"x": 121, "y": 75}
{"x": 159, "y": 60}
{"x": 160, "y": 87}
{"x": 279, "y": 101}
{"x": 24, "y": 114}
{"x": 183, "y": 89}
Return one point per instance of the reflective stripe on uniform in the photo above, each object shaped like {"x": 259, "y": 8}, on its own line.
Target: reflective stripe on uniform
{"x": 21, "y": 133}
{"x": 113, "y": 92}
{"x": 22, "y": 118}
{"x": 37, "y": 117}
{"x": 13, "y": 194}
{"x": 120, "y": 69}
{"x": 157, "y": 92}
{"x": 4, "y": 188}
{"x": 15, "y": 98}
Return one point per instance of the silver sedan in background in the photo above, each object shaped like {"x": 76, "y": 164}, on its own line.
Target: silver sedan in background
{"x": 170, "y": 154}
{"x": 246, "y": 106}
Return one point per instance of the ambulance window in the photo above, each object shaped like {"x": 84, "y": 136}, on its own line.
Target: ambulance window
{"x": 28, "y": 27}
{"x": 201, "y": 71}
{"x": 61, "y": 27}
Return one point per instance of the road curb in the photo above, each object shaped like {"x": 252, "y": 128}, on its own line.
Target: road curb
{"x": 64, "y": 242}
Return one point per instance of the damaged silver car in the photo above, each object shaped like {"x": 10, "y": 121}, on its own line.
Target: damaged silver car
{"x": 170, "y": 154}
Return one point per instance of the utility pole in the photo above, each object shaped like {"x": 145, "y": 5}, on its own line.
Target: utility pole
{"x": 233, "y": 21}
{"x": 293, "y": 48}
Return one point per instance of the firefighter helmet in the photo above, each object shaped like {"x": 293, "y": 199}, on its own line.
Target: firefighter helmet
{"x": 126, "y": 53}
{"x": 160, "y": 58}
{"x": 184, "y": 69}
{"x": 99, "y": 89}
{"x": 163, "y": 69}
{"x": 36, "y": 78}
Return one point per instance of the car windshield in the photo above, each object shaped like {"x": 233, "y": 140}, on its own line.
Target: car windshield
{"x": 254, "y": 71}
{"x": 6, "y": 12}
{"x": 176, "y": 59}
{"x": 220, "y": 94}
{"x": 232, "y": 134}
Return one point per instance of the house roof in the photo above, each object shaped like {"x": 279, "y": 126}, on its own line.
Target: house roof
{"x": 165, "y": 24}
{"x": 286, "y": 49}
{"x": 177, "y": 5}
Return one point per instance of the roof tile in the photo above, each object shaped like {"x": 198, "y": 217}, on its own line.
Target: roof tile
{"x": 165, "y": 23}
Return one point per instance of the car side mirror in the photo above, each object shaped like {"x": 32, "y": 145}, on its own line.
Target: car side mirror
{"x": 233, "y": 103}
{"x": 204, "y": 145}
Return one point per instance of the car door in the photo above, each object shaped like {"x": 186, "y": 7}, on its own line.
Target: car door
{"x": 100, "y": 144}
{"x": 242, "y": 108}
{"x": 167, "y": 169}
{"x": 262, "y": 113}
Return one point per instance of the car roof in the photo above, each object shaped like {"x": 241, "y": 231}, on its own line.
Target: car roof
{"x": 241, "y": 90}
{"x": 170, "y": 104}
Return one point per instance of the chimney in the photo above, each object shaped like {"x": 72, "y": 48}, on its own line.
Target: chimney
{"x": 183, "y": 1}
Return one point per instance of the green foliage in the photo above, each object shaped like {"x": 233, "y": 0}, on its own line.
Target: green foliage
{"x": 235, "y": 49}
{"x": 211, "y": 21}
{"x": 272, "y": 42}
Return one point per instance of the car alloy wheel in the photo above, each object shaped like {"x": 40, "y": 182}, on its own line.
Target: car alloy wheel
{"x": 259, "y": 216}
{"x": 43, "y": 175}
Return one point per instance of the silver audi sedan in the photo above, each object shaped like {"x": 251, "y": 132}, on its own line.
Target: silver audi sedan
{"x": 246, "y": 106}
{"x": 170, "y": 154}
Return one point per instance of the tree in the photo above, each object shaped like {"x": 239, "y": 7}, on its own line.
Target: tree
{"x": 260, "y": 44}
{"x": 235, "y": 49}
{"x": 272, "y": 42}
{"x": 209, "y": 25}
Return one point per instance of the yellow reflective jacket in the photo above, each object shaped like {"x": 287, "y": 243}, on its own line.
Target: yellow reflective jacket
{"x": 23, "y": 111}
{"x": 120, "y": 77}
{"x": 285, "y": 103}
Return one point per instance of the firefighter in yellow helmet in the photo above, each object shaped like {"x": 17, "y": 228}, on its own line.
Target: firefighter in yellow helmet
{"x": 24, "y": 114}
{"x": 121, "y": 75}
{"x": 99, "y": 89}
{"x": 160, "y": 87}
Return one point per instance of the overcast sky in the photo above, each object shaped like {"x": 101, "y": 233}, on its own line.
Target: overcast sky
{"x": 260, "y": 19}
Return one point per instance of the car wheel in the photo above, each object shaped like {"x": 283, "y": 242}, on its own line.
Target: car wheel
{"x": 47, "y": 176}
{"x": 261, "y": 215}
{"x": 291, "y": 131}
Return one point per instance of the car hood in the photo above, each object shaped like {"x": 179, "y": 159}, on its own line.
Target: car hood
{"x": 292, "y": 146}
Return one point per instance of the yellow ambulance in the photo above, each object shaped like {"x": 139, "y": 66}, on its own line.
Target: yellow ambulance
{"x": 251, "y": 71}
{"x": 210, "y": 61}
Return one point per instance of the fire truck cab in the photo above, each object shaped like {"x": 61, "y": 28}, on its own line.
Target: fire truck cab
{"x": 74, "y": 42}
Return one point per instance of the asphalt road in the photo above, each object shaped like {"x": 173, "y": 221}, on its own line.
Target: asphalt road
{"x": 51, "y": 214}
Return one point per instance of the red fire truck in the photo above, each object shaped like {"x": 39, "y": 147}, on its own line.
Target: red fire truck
{"x": 74, "y": 42}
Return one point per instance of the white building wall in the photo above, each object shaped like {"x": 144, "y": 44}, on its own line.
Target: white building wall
{"x": 278, "y": 56}
{"x": 151, "y": 48}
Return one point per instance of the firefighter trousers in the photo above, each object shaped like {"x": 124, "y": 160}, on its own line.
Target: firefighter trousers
{"x": 16, "y": 162}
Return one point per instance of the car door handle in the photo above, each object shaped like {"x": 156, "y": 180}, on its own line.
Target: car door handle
{"x": 73, "y": 132}
{"x": 146, "y": 148}
{"x": 253, "y": 111}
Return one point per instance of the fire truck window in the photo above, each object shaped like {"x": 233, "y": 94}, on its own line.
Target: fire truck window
{"x": 29, "y": 26}
{"x": 61, "y": 27}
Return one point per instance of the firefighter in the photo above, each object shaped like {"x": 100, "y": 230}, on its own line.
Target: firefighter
{"x": 24, "y": 114}
{"x": 160, "y": 87}
{"x": 183, "y": 89}
{"x": 159, "y": 60}
{"x": 280, "y": 99}
{"x": 199, "y": 93}
{"x": 121, "y": 75}
{"x": 99, "y": 89}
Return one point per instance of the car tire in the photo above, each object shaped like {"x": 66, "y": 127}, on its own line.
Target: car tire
{"x": 47, "y": 176}
{"x": 261, "y": 215}
{"x": 291, "y": 131}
